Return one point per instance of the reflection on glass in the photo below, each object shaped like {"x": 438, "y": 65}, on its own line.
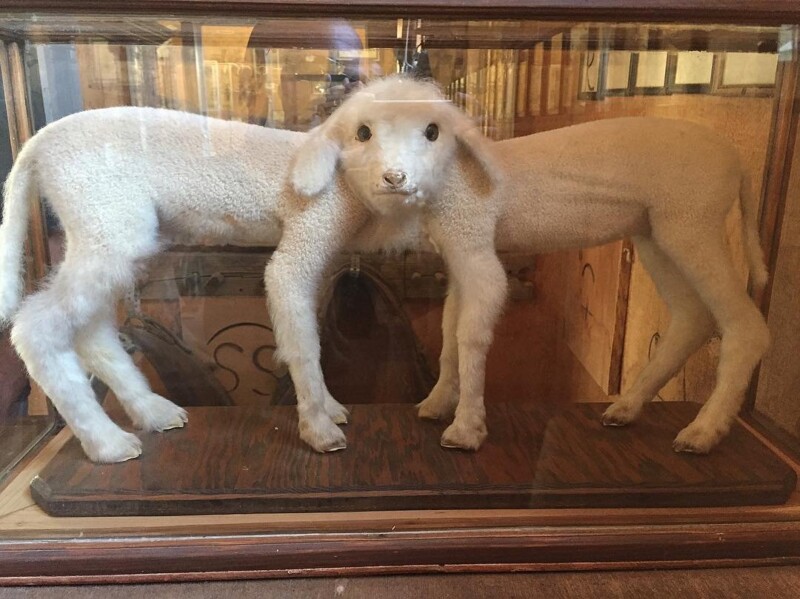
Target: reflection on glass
{"x": 579, "y": 325}
{"x": 694, "y": 68}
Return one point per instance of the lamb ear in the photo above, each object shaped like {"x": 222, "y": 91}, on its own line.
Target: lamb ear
{"x": 314, "y": 164}
{"x": 481, "y": 149}
{"x": 469, "y": 135}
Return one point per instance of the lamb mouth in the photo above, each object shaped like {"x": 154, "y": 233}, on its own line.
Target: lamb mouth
{"x": 397, "y": 192}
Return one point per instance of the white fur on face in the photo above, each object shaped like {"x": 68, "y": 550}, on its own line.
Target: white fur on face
{"x": 379, "y": 139}
{"x": 399, "y": 148}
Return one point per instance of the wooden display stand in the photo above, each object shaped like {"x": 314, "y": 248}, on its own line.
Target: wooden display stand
{"x": 232, "y": 460}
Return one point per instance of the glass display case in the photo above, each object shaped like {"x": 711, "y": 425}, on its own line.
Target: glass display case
{"x": 235, "y": 492}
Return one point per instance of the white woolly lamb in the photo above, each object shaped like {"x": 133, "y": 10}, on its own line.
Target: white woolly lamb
{"x": 120, "y": 179}
{"x": 668, "y": 184}
{"x": 125, "y": 180}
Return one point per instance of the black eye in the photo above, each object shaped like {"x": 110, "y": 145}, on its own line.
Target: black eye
{"x": 432, "y": 132}
{"x": 363, "y": 133}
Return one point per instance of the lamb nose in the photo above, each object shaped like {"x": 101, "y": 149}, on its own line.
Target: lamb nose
{"x": 394, "y": 179}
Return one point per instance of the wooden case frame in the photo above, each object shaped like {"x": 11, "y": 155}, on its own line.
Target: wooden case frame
{"x": 440, "y": 541}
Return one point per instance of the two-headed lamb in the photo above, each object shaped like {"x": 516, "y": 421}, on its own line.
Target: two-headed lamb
{"x": 123, "y": 179}
{"x": 668, "y": 184}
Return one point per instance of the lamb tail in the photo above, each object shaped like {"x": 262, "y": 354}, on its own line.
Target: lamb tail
{"x": 17, "y": 197}
{"x": 752, "y": 243}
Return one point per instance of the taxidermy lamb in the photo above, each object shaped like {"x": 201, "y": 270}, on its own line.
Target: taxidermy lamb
{"x": 124, "y": 181}
{"x": 668, "y": 184}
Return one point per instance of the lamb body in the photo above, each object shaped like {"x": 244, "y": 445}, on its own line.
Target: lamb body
{"x": 124, "y": 182}
{"x": 181, "y": 173}
{"x": 589, "y": 184}
{"x": 668, "y": 184}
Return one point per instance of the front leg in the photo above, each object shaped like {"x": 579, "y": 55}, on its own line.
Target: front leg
{"x": 442, "y": 401}
{"x": 292, "y": 277}
{"x": 481, "y": 285}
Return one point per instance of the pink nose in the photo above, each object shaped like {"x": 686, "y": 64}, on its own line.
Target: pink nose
{"x": 394, "y": 179}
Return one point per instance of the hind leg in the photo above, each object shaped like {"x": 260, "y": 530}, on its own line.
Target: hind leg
{"x": 479, "y": 307}
{"x": 690, "y": 325}
{"x": 44, "y": 334}
{"x": 103, "y": 355}
{"x": 703, "y": 258}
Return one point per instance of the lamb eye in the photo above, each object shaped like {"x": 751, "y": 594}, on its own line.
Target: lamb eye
{"x": 432, "y": 132}
{"x": 363, "y": 133}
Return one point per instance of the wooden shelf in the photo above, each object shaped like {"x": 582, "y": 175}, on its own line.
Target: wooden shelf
{"x": 232, "y": 460}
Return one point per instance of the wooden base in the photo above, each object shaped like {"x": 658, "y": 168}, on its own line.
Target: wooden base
{"x": 230, "y": 460}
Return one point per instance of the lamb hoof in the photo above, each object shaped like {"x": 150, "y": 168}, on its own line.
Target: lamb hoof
{"x": 459, "y": 436}
{"x": 114, "y": 446}
{"x": 337, "y": 412}
{"x": 323, "y": 435}
{"x": 620, "y": 414}
{"x": 158, "y": 414}
{"x": 697, "y": 438}
{"x": 437, "y": 407}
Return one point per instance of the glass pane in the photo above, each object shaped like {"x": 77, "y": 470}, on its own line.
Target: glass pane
{"x": 776, "y": 398}
{"x": 24, "y": 414}
{"x": 149, "y": 252}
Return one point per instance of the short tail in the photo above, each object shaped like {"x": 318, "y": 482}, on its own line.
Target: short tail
{"x": 17, "y": 197}
{"x": 752, "y": 243}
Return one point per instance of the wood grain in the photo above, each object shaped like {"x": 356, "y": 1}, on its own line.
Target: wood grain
{"x": 780, "y": 152}
{"x": 779, "y": 372}
{"x": 592, "y": 306}
{"x": 773, "y": 581}
{"x": 206, "y": 557}
{"x": 232, "y": 460}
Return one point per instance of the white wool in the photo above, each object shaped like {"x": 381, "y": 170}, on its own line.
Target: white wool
{"x": 124, "y": 180}
{"x": 668, "y": 184}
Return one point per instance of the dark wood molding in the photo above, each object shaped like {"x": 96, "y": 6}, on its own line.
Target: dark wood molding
{"x": 344, "y": 571}
{"x": 544, "y": 90}
{"x": 623, "y": 295}
{"x": 175, "y": 558}
{"x": 765, "y": 12}
{"x": 779, "y": 437}
{"x": 777, "y": 169}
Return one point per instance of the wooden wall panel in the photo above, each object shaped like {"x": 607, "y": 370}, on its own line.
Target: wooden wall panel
{"x": 232, "y": 334}
{"x": 590, "y": 308}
